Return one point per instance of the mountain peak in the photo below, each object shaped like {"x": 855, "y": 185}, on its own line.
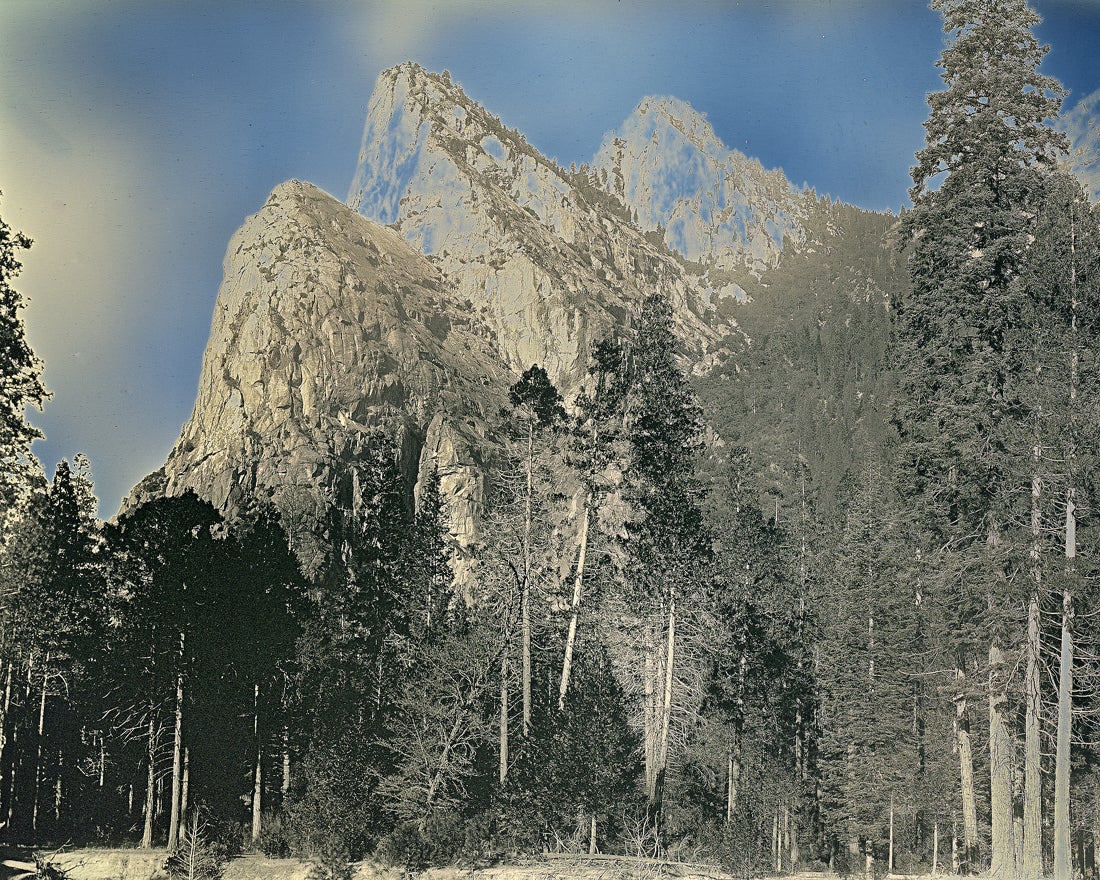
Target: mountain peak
{"x": 715, "y": 205}
{"x": 680, "y": 114}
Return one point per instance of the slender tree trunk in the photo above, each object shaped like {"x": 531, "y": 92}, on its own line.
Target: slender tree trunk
{"x": 777, "y": 850}
{"x": 258, "y": 772}
{"x": 525, "y": 603}
{"x": 177, "y": 756}
{"x": 150, "y": 783}
{"x": 738, "y": 732}
{"x": 956, "y": 862}
{"x": 1031, "y": 862}
{"x": 59, "y": 787}
{"x": 794, "y": 851}
{"x": 1063, "y": 861}
{"x": 1002, "y": 858}
{"x": 4, "y": 733}
{"x": 578, "y": 581}
{"x": 785, "y": 831}
{"x": 649, "y": 716}
{"x": 38, "y": 760}
{"x": 285, "y": 787}
{"x": 936, "y": 848}
{"x": 1031, "y": 853}
{"x": 503, "y": 771}
{"x": 966, "y": 774}
{"x": 733, "y": 777}
{"x": 592, "y": 837}
{"x": 1063, "y": 857}
{"x": 666, "y": 700}
{"x": 185, "y": 785}
{"x": 890, "y": 850}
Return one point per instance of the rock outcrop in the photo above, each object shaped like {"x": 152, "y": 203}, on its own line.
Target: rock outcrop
{"x": 328, "y": 325}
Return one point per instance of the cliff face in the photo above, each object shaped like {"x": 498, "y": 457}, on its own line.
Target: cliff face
{"x": 547, "y": 258}
{"x": 327, "y": 325}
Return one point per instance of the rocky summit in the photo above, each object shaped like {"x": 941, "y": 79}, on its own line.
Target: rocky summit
{"x": 462, "y": 257}
{"x": 714, "y": 205}
{"x": 549, "y": 258}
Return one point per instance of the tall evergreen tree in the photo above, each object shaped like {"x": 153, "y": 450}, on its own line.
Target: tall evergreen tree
{"x": 666, "y": 544}
{"x": 20, "y": 380}
{"x": 52, "y": 628}
{"x": 165, "y": 568}
{"x": 963, "y": 416}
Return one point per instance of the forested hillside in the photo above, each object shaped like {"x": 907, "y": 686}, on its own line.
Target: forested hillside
{"x": 825, "y": 600}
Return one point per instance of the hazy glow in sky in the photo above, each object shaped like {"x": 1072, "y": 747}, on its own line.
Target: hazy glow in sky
{"x": 136, "y": 136}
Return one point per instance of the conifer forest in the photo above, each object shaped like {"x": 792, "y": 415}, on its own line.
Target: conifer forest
{"x": 831, "y": 605}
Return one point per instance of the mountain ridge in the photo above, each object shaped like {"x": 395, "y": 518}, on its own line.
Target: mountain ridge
{"x": 461, "y": 257}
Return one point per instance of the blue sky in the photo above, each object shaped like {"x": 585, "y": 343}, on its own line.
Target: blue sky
{"x": 136, "y": 136}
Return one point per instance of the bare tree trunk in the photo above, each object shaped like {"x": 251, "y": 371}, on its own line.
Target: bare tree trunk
{"x": 4, "y": 731}
{"x": 733, "y": 777}
{"x": 966, "y": 774}
{"x": 936, "y": 848}
{"x": 1002, "y": 858}
{"x": 738, "y": 731}
{"x": 666, "y": 700}
{"x": 503, "y": 771}
{"x": 151, "y": 783}
{"x": 525, "y": 603}
{"x": 592, "y": 837}
{"x": 578, "y": 581}
{"x": 177, "y": 757}
{"x": 59, "y": 787}
{"x": 258, "y": 773}
{"x": 1031, "y": 854}
{"x": 956, "y": 863}
{"x": 38, "y": 768}
{"x": 285, "y": 787}
{"x": 777, "y": 850}
{"x": 890, "y": 850}
{"x": 785, "y": 831}
{"x": 17, "y": 757}
{"x": 649, "y": 717}
{"x": 1063, "y": 856}
{"x": 794, "y": 851}
{"x": 1031, "y": 862}
{"x": 1063, "y": 861}
{"x": 185, "y": 785}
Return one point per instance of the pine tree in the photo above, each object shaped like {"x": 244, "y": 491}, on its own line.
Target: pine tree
{"x": 20, "y": 382}
{"x": 666, "y": 542}
{"x": 595, "y": 454}
{"x": 964, "y": 415}
{"x": 752, "y": 656}
{"x": 165, "y": 566}
{"x": 536, "y": 404}
{"x": 52, "y": 627}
